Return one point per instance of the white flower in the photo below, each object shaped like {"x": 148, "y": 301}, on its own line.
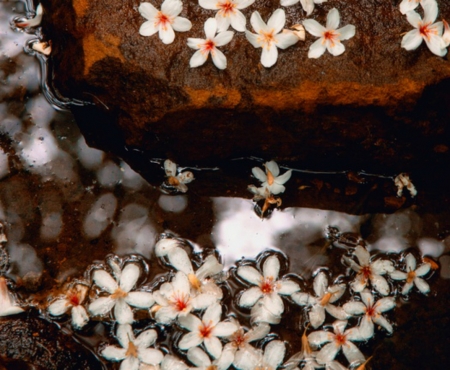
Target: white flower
{"x": 270, "y": 179}
{"x": 336, "y": 341}
{"x": 7, "y": 301}
{"x": 413, "y": 275}
{"x": 164, "y": 21}
{"x": 209, "y": 45}
{"x": 308, "y": 5}
{"x": 72, "y": 301}
{"x": 206, "y": 331}
{"x": 267, "y": 287}
{"x": 228, "y": 12}
{"x": 367, "y": 270}
{"x": 174, "y": 299}
{"x": 322, "y": 302}
{"x": 35, "y": 21}
{"x": 403, "y": 180}
{"x": 202, "y": 362}
{"x": 269, "y": 36}
{"x": 408, "y": 5}
{"x": 177, "y": 181}
{"x": 425, "y": 30}
{"x": 372, "y": 312}
{"x": 270, "y": 359}
{"x": 134, "y": 351}
{"x": 120, "y": 296}
{"x": 446, "y": 34}
{"x": 330, "y": 36}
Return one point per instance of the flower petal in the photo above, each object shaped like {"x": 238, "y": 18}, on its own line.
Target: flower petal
{"x": 366, "y": 327}
{"x": 101, "y": 306}
{"x": 354, "y": 308}
{"x": 59, "y": 307}
{"x": 260, "y": 313}
{"x": 179, "y": 259}
{"x": 352, "y": 353}
{"x": 381, "y": 321}
{"x": 287, "y": 287}
{"x": 129, "y": 277}
{"x": 385, "y": 304}
{"x": 250, "y": 297}
{"x": 210, "y": 28}
{"x": 430, "y": 10}
{"x": 123, "y": 313}
{"x": 190, "y": 340}
{"x": 124, "y": 334}
{"x": 79, "y": 317}
{"x": 276, "y": 188}
{"x": 113, "y": 353}
{"x": 346, "y": 32}
{"x": 224, "y": 329}
{"x": 148, "y": 29}
{"x": 212, "y": 314}
{"x": 203, "y": 301}
{"x": 316, "y": 49}
{"x": 148, "y": 11}
{"x": 146, "y": 338}
{"x": 303, "y": 299}
{"x": 238, "y": 21}
{"x": 213, "y": 345}
{"x": 219, "y": 59}
{"x": 308, "y": 6}
{"x": 333, "y": 19}
{"x": 172, "y": 7}
{"x": 247, "y": 359}
{"x": 317, "y": 316}
{"x": 150, "y": 356}
{"x": 223, "y": 38}
{"x": 317, "y": 338}
{"x": 314, "y": 27}
{"x": 172, "y": 363}
{"x": 165, "y": 315}
{"x": 327, "y": 353}
{"x": 190, "y": 322}
{"x": 380, "y": 284}
{"x": 422, "y": 285}
{"x": 274, "y": 353}
{"x": 198, "y": 59}
{"x": 257, "y": 332}
{"x": 257, "y": 22}
{"x": 436, "y": 45}
{"x": 381, "y": 266}
{"x": 408, "y": 5}
{"x": 398, "y": 275}
{"x": 258, "y": 172}
{"x": 276, "y": 22}
{"x": 320, "y": 284}
{"x": 166, "y": 34}
{"x": 272, "y": 166}
{"x": 285, "y": 40}
{"x": 412, "y": 40}
{"x": 273, "y": 303}
{"x": 198, "y": 357}
{"x": 362, "y": 255}
{"x": 407, "y": 288}
{"x": 423, "y": 269}
{"x": 105, "y": 281}
{"x": 271, "y": 268}
{"x": 129, "y": 363}
{"x": 181, "y": 24}
{"x": 337, "y": 312}
{"x": 250, "y": 274}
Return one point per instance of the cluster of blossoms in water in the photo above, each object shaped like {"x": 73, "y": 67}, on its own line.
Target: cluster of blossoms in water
{"x": 220, "y": 319}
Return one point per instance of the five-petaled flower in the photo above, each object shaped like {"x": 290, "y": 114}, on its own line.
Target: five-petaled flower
{"x": 325, "y": 296}
{"x": 206, "y": 331}
{"x": 177, "y": 182}
{"x": 413, "y": 275}
{"x": 369, "y": 271}
{"x": 330, "y": 37}
{"x": 72, "y": 300}
{"x": 120, "y": 297}
{"x": 209, "y": 45}
{"x": 336, "y": 341}
{"x": 308, "y": 5}
{"x": 372, "y": 312}
{"x": 269, "y": 36}
{"x": 133, "y": 351}
{"x": 425, "y": 30}
{"x": 267, "y": 287}
{"x": 165, "y": 21}
{"x": 228, "y": 12}
{"x": 271, "y": 180}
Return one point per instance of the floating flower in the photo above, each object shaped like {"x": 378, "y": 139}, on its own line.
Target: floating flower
{"x": 330, "y": 36}
{"x": 134, "y": 351}
{"x": 336, "y": 341}
{"x": 402, "y": 181}
{"x": 372, "y": 312}
{"x": 267, "y": 286}
{"x": 35, "y": 21}
{"x": 308, "y": 5}
{"x": 174, "y": 299}
{"x": 206, "y": 331}
{"x": 270, "y": 37}
{"x": 229, "y": 12}
{"x": 121, "y": 297}
{"x": 202, "y": 361}
{"x": 425, "y": 30}
{"x": 209, "y": 45}
{"x": 408, "y": 5}
{"x": 325, "y": 296}
{"x": 175, "y": 181}
{"x": 413, "y": 275}
{"x": 369, "y": 271}
{"x": 165, "y": 21}
{"x": 72, "y": 301}
{"x": 271, "y": 179}
{"x": 271, "y": 358}
{"x": 7, "y": 302}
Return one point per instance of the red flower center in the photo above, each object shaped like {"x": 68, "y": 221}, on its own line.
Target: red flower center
{"x": 205, "y": 330}
{"x": 370, "y": 311}
{"x": 180, "y": 301}
{"x": 227, "y": 8}
{"x": 330, "y": 35}
{"x": 209, "y": 45}
{"x": 340, "y": 339}
{"x": 162, "y": 20}
{"x": 267, "y": 285}
{"x": 366, "y": 271}
{"x": 426, "y": 31}
{"x": 74, "y": 299}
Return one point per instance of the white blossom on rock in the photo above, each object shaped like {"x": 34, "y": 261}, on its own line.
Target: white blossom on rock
{"x": 330, "y": 36}
{"x": 8, "y": 304}
{"x": 229, "y": 13}
{"x": 206, "y": 331}
{"x": 270, "y": 359}
{"x": 369, "y": 271}
{"x": 267, "y": 288}
{"x": 209, "y": 45}
{"x": 323, "y": 300}
{"x": 336, "y": 341}
{"x": 120, "y": 296}
{"x": 308, "y": 5}
{"x": 425, "y": 30}
{"x": 73, "y": 302}
{"x": 413, "y": 275}
{"x": 271, "y": 178}
{"x": 133, "y": 351}
{"x": 270, "y": 37}
{"x": 165, "y": 21}
{"x": 177, "y": 181}
{"x": 372, "y": 312}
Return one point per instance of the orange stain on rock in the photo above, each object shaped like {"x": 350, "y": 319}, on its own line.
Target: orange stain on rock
{"x": 95, "y": 50}
{"x": 80, "y": 7}
{"x": 228, "y": 98}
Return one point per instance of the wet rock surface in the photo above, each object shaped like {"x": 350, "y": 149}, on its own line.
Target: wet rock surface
{"x": 376, "y": 107}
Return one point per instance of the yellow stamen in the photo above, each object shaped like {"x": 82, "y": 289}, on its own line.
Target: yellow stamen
{"x": 119, "y": 293}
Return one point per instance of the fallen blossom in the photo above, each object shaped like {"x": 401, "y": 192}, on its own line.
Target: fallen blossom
{"x": 408, "y": 5}
{"x": 372, "y": 312}
{"x": 330, "y": 37}
{"x": 267, "y": 287}
{"x": 369, "y": 271}
{"x": 413, "y": 275}
{"x": 336, "y": 341}
{"x": 209, "y": 45}
{"x": 300, "y": 31}
{"x": 133, "y": 351}
{"x": 263, "y": 193}
{"x": 206, "y": 331}
{"x": 177, "y": 182}
{"x": 202, "y": 361}
{"x": 271, "y": 358}
{"x": 402, "y": 181}
{"x": 72, "y": 301}
{"x": 35, "y": 21}
{"x": 121, "y": 297}
{"x": 271, "y": 179}
{"x": 228, "y": 13}
{"x": 425, "y": 30}
{"x": 323, "y": 300}
{"x": 308, "y": 5}
{"x": 165, "y": 21}
{"x": 8, "y": 304}
{"x": 270, "y": 37}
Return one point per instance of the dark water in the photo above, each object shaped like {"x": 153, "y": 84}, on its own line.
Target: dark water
{"x": 66, "y": 206}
